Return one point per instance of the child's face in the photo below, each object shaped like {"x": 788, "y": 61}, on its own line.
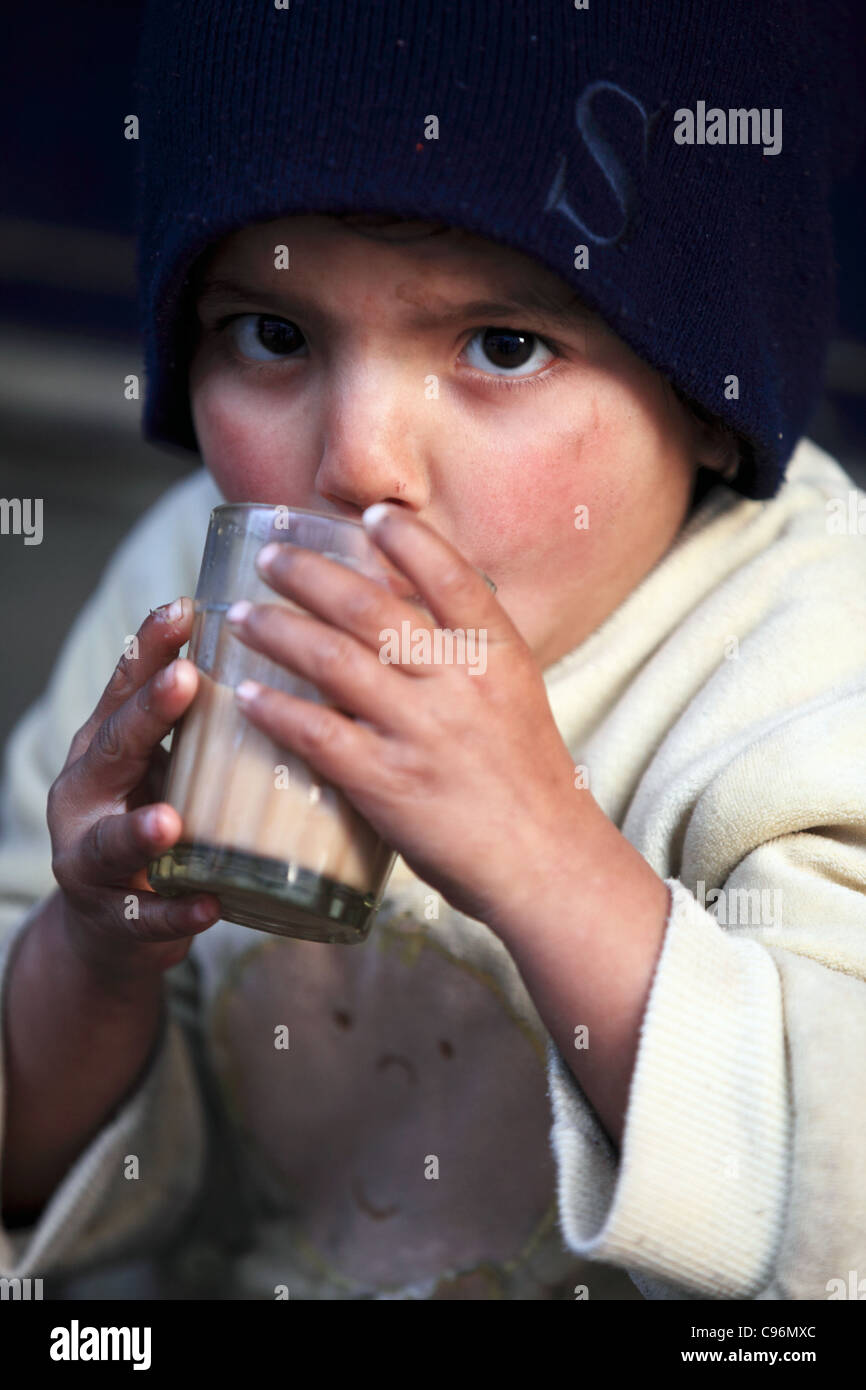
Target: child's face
{"x": 353, "y": 377}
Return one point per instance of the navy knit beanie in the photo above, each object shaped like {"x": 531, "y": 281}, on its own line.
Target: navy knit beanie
{"x": 689, "y": 148}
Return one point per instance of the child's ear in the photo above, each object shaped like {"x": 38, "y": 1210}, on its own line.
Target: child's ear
{"x": 713, "y": 444}
{"x": 716, "y": 447}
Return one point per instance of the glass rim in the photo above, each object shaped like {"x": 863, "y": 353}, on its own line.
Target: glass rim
{"x": 272, "y": 507}
{"x": 324, "y": 516}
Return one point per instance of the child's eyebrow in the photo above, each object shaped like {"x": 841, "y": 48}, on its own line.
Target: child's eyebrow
{"x": 564, "y": 312}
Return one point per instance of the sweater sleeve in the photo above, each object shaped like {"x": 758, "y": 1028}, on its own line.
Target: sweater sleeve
{"x": 740, "y": 1174}
{"x": 97, "y": 1213}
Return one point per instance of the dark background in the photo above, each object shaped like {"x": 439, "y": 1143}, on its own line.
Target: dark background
{"x": 69, "y": 326}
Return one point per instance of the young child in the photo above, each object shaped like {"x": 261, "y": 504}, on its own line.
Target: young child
{"x": 612, "y": 1011}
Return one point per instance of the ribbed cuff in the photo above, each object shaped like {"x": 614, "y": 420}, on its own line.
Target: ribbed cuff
{"x": 698, "y": 1195}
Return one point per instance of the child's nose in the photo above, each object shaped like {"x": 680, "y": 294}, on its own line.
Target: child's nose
{"x": 377, "y": 445}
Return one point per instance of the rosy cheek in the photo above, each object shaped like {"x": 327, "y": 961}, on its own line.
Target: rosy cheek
{"x": 521, "y": 528}
{"x": 233, "y": 444}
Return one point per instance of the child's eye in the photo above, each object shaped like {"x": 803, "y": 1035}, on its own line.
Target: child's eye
{"x": 508, "y": 348}
{"x": 264, "y": 337}
{"x": 267, "y": 338}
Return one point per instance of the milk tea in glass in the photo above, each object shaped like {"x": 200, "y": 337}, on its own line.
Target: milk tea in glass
{"x": 285, "y": 851}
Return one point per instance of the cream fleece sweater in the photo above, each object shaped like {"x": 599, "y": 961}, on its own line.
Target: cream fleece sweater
{"x": 721, "y": 712}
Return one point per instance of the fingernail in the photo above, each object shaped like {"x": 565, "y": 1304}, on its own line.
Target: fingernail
{"x": 201, "y": 912}
{"x": 238, "y": 611}
{"x": 171, "y": 612}
{"x": 373, "y": 515}
{"x": 247, "y": 690}
{"x": 268, "y": 554}
{"x": 153, "y": 822}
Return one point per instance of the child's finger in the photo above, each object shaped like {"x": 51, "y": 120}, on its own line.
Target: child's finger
{"x": 114, "y": 847}
{"x": 158, "y": 640}
{"x": 121, "y": 942}
{"x": 120, "y": 752}
{"x": 453, "y": 590}
{"x": 171, "y": 919}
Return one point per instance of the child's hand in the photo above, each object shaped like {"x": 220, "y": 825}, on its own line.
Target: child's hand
{"x": 103, "y": 832}
{"x": 465, "y": 774}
